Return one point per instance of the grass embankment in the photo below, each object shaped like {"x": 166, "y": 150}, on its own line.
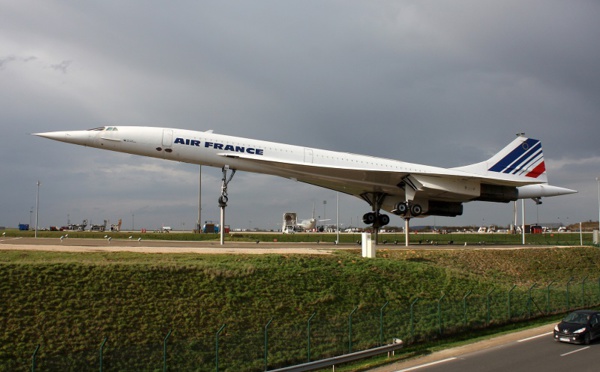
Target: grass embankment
{"x": 69, "y": 302}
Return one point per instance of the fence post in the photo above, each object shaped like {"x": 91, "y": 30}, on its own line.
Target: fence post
{"x": 350, "y": 329}
{"x": 440, "y": 312}
{"x": 165, "y": 351}
{"x": 267, "y": 342}
{"x": 381, "y": 323}
{"x": 33, "y": 358}
{"x": 488, "y": 305}
{"x": 465, "y": 306}
{"x": 412, "y": 317}
{"x": 548, "y": 297}
{"x": 308, "y": 334}
{"x": 583, "y": 291}
{"x": 568, "y": 303}
{"x": 217, "y": 347}
{"x": 509, "y": 292}
{"x": 102, "y": 351}
{"x": 530, "y": 300}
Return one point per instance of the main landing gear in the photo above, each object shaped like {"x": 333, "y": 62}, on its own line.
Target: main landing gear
{"x": 375, "y": 218}
{"x": 406, "y": 210}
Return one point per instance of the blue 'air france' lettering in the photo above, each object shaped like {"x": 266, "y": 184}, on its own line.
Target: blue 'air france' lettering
{"x": 219, "y": 146}
{"x": 187, "y": 141}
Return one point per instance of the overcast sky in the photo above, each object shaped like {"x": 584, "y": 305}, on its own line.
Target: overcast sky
{"x": 442, "y": 83}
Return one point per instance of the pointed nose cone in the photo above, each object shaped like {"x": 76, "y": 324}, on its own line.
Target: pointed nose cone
{"x": 78, "y": 137}
{"x": 542, "y": 190}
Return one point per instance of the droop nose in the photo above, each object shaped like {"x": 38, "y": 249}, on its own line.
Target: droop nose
{"x": 78, "y": 137}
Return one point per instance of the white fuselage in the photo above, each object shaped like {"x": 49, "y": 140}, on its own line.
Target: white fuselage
{"x": 433, "y": 188}
{"x": 217, "y": 150}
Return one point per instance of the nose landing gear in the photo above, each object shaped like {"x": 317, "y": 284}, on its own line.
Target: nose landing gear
{"x": 223, "y": 199}
{"x": 375, "y": 218}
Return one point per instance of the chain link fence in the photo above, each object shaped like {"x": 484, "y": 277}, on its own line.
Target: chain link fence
{"x": 237, "y": 347}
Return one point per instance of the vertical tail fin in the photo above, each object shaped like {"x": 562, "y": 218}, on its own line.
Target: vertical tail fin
{"x": 522, "y": 159}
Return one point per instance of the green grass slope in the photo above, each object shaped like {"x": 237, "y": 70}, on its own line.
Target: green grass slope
{"x": 69, "y": 302}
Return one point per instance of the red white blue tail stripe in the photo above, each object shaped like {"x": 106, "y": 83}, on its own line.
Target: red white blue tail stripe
{"x": 527, "y": 159}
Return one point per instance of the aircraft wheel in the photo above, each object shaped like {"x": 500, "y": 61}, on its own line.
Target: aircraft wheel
{"x": 369, "y": 218}
{"x": 416, "y": 210}
{"x": 401, "y": 209}
{"x": 384, "y": 219}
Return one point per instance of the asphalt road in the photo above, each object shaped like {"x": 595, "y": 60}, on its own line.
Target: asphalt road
{"x": 161, "y": 246}
{"x": 538, "y": 352}
{"x": 124, "y": 244}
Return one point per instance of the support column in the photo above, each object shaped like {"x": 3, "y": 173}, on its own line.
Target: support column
{"x": 523, "y": 219}
{"x": 406, "y": 231}
{"x": 516, "y": 217}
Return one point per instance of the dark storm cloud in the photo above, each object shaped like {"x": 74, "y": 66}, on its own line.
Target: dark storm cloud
{"x": 434, "y": 82}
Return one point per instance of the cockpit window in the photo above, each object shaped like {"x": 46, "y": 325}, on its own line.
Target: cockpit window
{"x": 101, "y": 129}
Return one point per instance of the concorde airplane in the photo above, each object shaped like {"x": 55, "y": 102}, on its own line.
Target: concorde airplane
{"x": 405, "y": 189}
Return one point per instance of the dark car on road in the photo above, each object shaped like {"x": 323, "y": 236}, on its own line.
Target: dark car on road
{"x": 579, "y": 327}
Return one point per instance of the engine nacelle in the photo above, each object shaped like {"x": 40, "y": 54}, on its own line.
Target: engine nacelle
{"x": 444, "y": 209}
{"x": 497, "y": 193}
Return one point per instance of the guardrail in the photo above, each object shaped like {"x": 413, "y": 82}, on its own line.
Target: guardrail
{"x": 311, "y": 366}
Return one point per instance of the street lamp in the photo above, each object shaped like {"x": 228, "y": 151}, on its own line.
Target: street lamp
{"x": 337, "y": 217}
{"x": 37, "y": 208}
{"x": 598, "y": 180}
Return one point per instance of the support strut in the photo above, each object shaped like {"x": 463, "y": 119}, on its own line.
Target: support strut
{"x": 223, "y": 199}
{"x": 406, "y": 231}
{"x": 407, "y": 210}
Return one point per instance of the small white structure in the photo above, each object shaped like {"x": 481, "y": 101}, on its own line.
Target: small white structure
{"x": 368, "y": 248}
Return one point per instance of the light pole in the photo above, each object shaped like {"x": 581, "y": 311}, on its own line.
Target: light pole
{"x": 199, "y": 224}
{"x": 337, "y": 217}
{"x": 523, "y": 220}
{"x": 598, "y": 180}
{"x": 37, "y": 208}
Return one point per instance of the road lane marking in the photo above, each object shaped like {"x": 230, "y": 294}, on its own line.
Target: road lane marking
{"x": 534, "y": 337}
{"x": 574, "y": 351}
{"x": 427, "y": 365}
